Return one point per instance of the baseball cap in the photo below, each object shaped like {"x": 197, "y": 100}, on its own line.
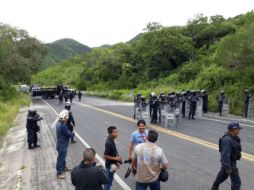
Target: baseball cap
{"x": 234, "y": 125}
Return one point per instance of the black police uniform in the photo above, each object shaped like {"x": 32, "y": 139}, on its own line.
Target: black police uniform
{"x": 230, "y": 148}
{"x": 246, "y": 104}
{"x": 221, "y": 100}
{"x": 154, "y": 108}
{"x": 205, "y": 102}
{"x": 79, "y": 95}
{"x": 60, "y": 98}
{"x": 193, "y": 105}
{"x": 32, "y": 129}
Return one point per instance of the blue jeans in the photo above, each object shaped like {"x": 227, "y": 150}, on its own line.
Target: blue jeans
{"x": 111, "y": 178}
{"x": 152, "y": 185}
{"x": 222, "y": 176}
{"x": 62, "y": 153}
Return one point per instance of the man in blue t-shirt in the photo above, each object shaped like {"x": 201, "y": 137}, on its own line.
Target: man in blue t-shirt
{"x": 137, "y": 137}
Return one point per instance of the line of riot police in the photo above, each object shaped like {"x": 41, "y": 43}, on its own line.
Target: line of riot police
{"x": 171, "y": 106}
{"x": 188, "y": 104}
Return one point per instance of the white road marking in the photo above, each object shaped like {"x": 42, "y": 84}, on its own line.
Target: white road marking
{"x": 222, "y": 121}
{"x": 100, "y": 159}
{"x": 54, "y": 123}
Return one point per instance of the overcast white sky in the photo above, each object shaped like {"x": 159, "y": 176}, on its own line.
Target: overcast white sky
{"x": 98, "y": 22}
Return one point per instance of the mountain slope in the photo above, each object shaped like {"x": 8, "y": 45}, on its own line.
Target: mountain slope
{"x": 63, "y": 49}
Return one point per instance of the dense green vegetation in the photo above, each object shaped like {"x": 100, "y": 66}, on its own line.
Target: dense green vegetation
{"x": 207, "y": 53}
{"x": 63, "y": 49}
{"x": 20, "y": 57}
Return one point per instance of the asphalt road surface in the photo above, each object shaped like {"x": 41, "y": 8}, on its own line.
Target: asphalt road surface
{"x": 191, "y": 148}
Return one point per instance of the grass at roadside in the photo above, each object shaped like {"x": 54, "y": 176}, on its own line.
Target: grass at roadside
{"x": 9, "y": 111}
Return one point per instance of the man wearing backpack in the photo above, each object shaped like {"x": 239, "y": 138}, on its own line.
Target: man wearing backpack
{"x": 230, "y": 149}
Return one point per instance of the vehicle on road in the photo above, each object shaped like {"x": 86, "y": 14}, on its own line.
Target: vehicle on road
{"x": 49, "y": 92}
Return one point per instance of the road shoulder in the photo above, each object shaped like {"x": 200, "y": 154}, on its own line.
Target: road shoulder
{"x": 30, "y": 169}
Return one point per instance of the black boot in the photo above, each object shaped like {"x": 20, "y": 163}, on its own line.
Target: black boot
{"x": 35, "y": 146}
{"x": 30, "y": 146}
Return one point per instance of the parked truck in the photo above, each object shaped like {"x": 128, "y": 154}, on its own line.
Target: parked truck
{"x": 50, "y": 92}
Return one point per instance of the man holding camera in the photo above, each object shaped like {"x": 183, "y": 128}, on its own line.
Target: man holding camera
{"x": 86, "y": 176}
{"x": 113, "y": 160}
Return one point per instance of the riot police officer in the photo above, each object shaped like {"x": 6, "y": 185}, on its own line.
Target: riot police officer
{"x": 66, "y": 96}
{"x": 193, "y": 104}
{"x": 79, "y": 95}
{"x": 154, "y": 108}
{"x": 230, "y": 149}
{"x": 32, "y": 128}
{"x": 204, "y": 96}
{"x": 71, "y": 121}
{"x": 221, "y": 101}
{"x": 150, "y": 103}
{"x": 60, "y": 97}
{"x": 184, "y": 94}
{"x": 137, "y": 104}
{"x": 246, "y": 102}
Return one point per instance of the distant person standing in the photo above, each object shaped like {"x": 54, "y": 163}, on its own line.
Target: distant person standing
{"x": 79, "y": 95}
{"x": 193, "y": 104}
{"x": 246, "y": 102}
{"x": 60, "y": 98}
{"x": 221, "y": 101}
{"x": 63, "y": 136}
{"x": 204, "y": 96}
{"x": 137, "y": 137}
{"x": 230, "y": 149}
{"x": 111, "y": 156}
{"x": 66, "y": 96}
{"x": 88, "y": 176}
{"x": 148, "y": 160}
{"x": 71, "y": 96}
{"x": 71, "y": 121}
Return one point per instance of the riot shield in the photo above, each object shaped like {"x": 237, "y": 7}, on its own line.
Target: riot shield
{"x": 187, "y": 108}
{"x": 199, "y": 111}
{"x": 144, "y": 113}
{"x": 177, "y": 113}
{"x": 251, "y": 109}
{"x": 137, "y": 110}
{"x": 225, "y": 107}
{"x": 170, "y": 119}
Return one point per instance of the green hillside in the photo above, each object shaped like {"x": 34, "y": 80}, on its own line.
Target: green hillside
{"x": 207, "y": 53}
{"x": 63, "y": 49}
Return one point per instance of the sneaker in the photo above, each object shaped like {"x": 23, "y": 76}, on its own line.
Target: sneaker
{"x": 66, "y": 169}
{"x": 61, "y": 176}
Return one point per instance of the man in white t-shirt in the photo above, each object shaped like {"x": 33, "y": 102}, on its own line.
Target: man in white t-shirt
{"x": 148, "y": 160}
{"x": 137, "y": 137}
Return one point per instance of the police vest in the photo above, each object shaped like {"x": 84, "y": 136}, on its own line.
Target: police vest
{"x": 237, "y": 149}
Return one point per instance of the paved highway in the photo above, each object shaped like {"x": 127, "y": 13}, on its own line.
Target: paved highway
{"x": 191, "y": 148}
